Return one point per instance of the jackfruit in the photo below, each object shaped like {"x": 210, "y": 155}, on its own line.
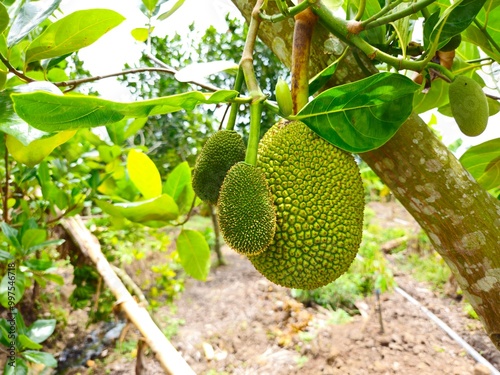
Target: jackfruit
{"x": 221, "y": 151}
{"x": 284, "y": 97}
{"x": 468, "y": 105}
{"x": 245, "y": 210}
{"x": 319, "y": 200}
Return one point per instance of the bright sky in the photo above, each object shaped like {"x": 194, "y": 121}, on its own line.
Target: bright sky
{"x": 113, "y": 50}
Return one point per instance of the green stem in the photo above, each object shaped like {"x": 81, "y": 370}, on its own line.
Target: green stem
{"x": 442, "y": 70}
{"x": 293, "y": 11}
{"x": 379, "y": 21}
{"x": 231, "y": 121}
{"x": 382, "y": 12}
{"x": 14, "y": 70}
{"x": 253, "y": 140}
{"x": 339, "y": 27}
{"x": 361, "y": 10}
{"x": 5, "y": 195}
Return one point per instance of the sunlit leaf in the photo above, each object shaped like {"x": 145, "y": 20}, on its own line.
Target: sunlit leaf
{"x": 160, "y": 209}
{"x": 178, "y": 186}
{"x": 436, "y": 96}
{"x": 26, "y": 342}
{"x": 37, "y": 150}
{"x": 483, "y": 163}
{"x": 200, "y": 71}
{"x": 150, "y": 4}
{"x": 49, "y": 112}
{"x": 4, "y": 18}
{"x": 32, "y": 237}
{"x": 13, "y": 282}
{"x": 73, "y": 32}
{"x": 171, "y": 11}
{"x": 144, "y": 174}
{"x": 194, "y": 253}
{"x": 43, "y": 358}
{"x": 10, "y": 234}
{"x": 31, "y": 14}
{"x": 20, "y": 368}
{"x": 362, "y": 115}
{"x": 41, "y": 330}
{"x": 141, "y": 33}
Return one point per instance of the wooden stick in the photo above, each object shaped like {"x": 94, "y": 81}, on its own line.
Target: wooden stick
{"x": 169, "y": 358}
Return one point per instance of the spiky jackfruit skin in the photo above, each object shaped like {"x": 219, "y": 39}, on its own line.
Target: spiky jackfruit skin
{"x": 221, "y": 151}
{"x": 319, "y": 201}
{"x": 245, "y": 210}
{"x": 468, "y": 105}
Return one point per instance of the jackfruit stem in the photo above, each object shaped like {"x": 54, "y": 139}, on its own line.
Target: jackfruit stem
{"x": 253, "y": 139}
{"x": 231, "y": 121}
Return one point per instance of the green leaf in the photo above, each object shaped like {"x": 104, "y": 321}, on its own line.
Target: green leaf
{"x": 141, "y": 33}
{"x": 12, "y": 284}
{"x": 73, "y": 32}
{"x": 4, "y": 255}
{"x": 171, "y": 11}
{"x": 161, "y": 209}
{"x": 194, "y": 253}
{"x": 31, "y": 14}
{"x": 178, "y": 186}
{"x": 375, "y": 35}
{"x": 35, "y": 356}
{"x": 483, "y": 163}
{"x": 59, "y": 280}
{"x": 4, "y": 18}
{"x": 37, "y": 150}
{"x": 436, "y": 96}
{"x": 320, "y": 79}
{"x": 49, "y": 112}
{"x": 363, "y": 115}
{"x": 5, "y": 330}
{"x": 39, "y": 264}
{"x": 33, "y": 237}
{"x": 20, "y": 368}
{"x": 41, "y": 330}
{"x": 150, "y": 4}
{"x": 10, "y": 234}
{"x": 26, "y": 342}
{"x": 489, "y": 17}
{"x": 144, "y": 174}
{"x": 133, "y": 127}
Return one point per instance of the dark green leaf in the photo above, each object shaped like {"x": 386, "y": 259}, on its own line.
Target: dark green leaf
{"x": 20, "y": 326}
{"x": 5, "y": 331}
{"x": 39, "y": 264}
{"x": 363, "y": 115}
{"x": 51, "y": 113}
{"x": 31, "y": 14}
{"x": 33, "y": 237}
{"x": 483, "y": 163}
{"x": 35, "y": 356}
{"x": 12, "y": 284}
{"x": 162, "y": 208}
{"x": 194, "y": 253}
{"x": 73, "y": 32}
{"x": 27, "y": 343}
{"x": 41, "y": 330}
{"x": 20, "y": 368}
{"x": 320, "y": 79}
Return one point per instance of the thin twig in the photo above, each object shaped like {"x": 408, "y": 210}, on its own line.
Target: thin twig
{"x": 14, "y": 70}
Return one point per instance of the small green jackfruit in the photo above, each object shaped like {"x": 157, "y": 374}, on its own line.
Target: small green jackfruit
{"x": 245, "y": 210}
{"x": 319, "y": 200}
{"x": 221, "y": 151}
{"x": 468, "y": 105}
{"x": 284, "y": 97}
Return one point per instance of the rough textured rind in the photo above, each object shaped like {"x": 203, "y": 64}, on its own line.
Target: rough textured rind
{"x": 245, "y": 210}
{"x": 221, "y": 151}
{"x": 319, "y": 201}
{"x": 468, "y": 105}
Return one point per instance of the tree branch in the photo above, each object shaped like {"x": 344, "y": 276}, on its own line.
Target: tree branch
{"x": 14, "y": 70}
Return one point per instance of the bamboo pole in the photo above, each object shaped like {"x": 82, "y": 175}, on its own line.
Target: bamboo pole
{"x": 169, "y": 358}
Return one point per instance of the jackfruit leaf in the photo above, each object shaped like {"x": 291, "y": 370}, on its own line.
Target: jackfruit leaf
{"x": 43, "y": 358}
{"x": 11, "y": 279}
{"x": 372, "y": 7}
{"x": 41, "y": 330}
{"x": 489, "y": 17}
{"x": 178, "y": 186}
{"x": 150, "y": 4}
{"x": 320, "y": 79}
{"x": 171, "y": 11}
{"x": 133, "y": 127}
{"x": 31, "y": 14}
{"x": 455, "y": 19}
{"x": 436, "y": 96}
{"x": 160, "y": 209}
{"x": 32, "y": 237}
{"x": 11, "y": 235}
{"x": 141, "y": 33}
{"x": 37, "y": 150}
{"x": 144, "y": 174}
{"x": 362, "y": 115}
{"x": 199, "y": 71}
{"x": 49, "y": 112}
{"x": 73, "y": 32}
{"x": 4, "y": 18}
{"x": 20, "y": 368}
{"x": 194, "y": 253}
{"x": 483, "y": 163}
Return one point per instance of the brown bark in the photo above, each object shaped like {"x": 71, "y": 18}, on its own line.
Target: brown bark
{"x": 461, "y": 219}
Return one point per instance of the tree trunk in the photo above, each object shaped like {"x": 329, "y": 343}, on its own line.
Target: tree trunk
{"x": 461, "y": 219}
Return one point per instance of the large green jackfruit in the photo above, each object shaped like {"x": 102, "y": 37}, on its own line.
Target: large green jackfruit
{"x": 245, "y": 210}
{"x": 319, "y": 201}
{"x": 221, "y": 151}
{"x": 468, "y": 105}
